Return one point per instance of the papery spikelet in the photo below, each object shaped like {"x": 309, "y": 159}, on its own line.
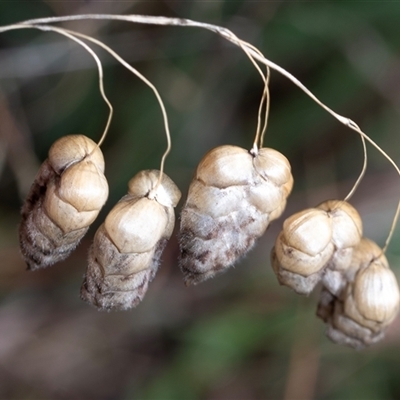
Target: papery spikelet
{"x": 302, "y": 250}
{"x": 65, "y": 198}
{"x": 316, "y": 243}
{"x": 346, "y": 223}
{"x": 126, "y": 250}
{"x": 346, "y": 235}
{"x": 233, "y": 197}
{"x": 368, "y": 303}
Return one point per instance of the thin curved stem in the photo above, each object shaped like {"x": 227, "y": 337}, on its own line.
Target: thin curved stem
{"x": 256, "y": 55}
{"x": 364, "y": 168}
{"x": 265, "y": 96}
{"x": 87, "y": 48}
{"x": 147, "y": 82}
{"x": 267, "y": 105}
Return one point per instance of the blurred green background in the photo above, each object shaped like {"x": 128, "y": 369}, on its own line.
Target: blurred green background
{"x": 241, "y": 335}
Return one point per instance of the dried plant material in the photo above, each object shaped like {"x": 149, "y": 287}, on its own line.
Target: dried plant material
{"x": 126, "y": 250}
{"x": 346, "y": 235}
{"x": 368, "y": 303}
{"x": 353, "y": 296}
{"x": 314, "y": 240}
{"x": 343, "y": 330}
{"x": 346, "y": 231}
{"x": 346, "y": 223}
{"x": 302, "y": 250}
{"x": 233, "y": 197}
{"x": 65, "y": 198}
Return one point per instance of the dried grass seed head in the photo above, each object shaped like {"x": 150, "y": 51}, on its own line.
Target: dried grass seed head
{"x": 126, "y": 250}
{"x": 232, "y": 198}
{"x": 369, "y": 301}
{"x": 65, "y": 198}
{"x": 314, "y": 240}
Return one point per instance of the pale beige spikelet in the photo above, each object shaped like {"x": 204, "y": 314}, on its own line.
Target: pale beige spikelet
{"x": 126, "y": 249}
{"x": 67, "y": 195}
{"x": 315, "y": 244}
{"x": 346, "y": 235}
{"x": 359, "y": 315}
{"x": 302, "y": 250}
{"x": 233, "y": 197}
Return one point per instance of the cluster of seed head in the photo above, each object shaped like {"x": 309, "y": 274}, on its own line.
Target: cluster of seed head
{"x": 234, "y": 195}
{"x": 66, "y": 197}
{"x": 360, "y": 295}
{"x": 232, "y": 198}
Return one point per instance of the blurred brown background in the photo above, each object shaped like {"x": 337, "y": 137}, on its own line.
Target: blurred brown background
{"x": 240, "y": 336}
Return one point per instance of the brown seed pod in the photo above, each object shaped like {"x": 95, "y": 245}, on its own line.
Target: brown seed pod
{"x": 369, "y": 302}
{"x": 65, "y": 198}
{"x": 313, "y": 241}
{"x": 233, "y": 197}
{"x": 126, "y": 250}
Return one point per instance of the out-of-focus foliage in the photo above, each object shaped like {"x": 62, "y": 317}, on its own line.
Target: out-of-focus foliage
{"x": 241, "y": 335}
